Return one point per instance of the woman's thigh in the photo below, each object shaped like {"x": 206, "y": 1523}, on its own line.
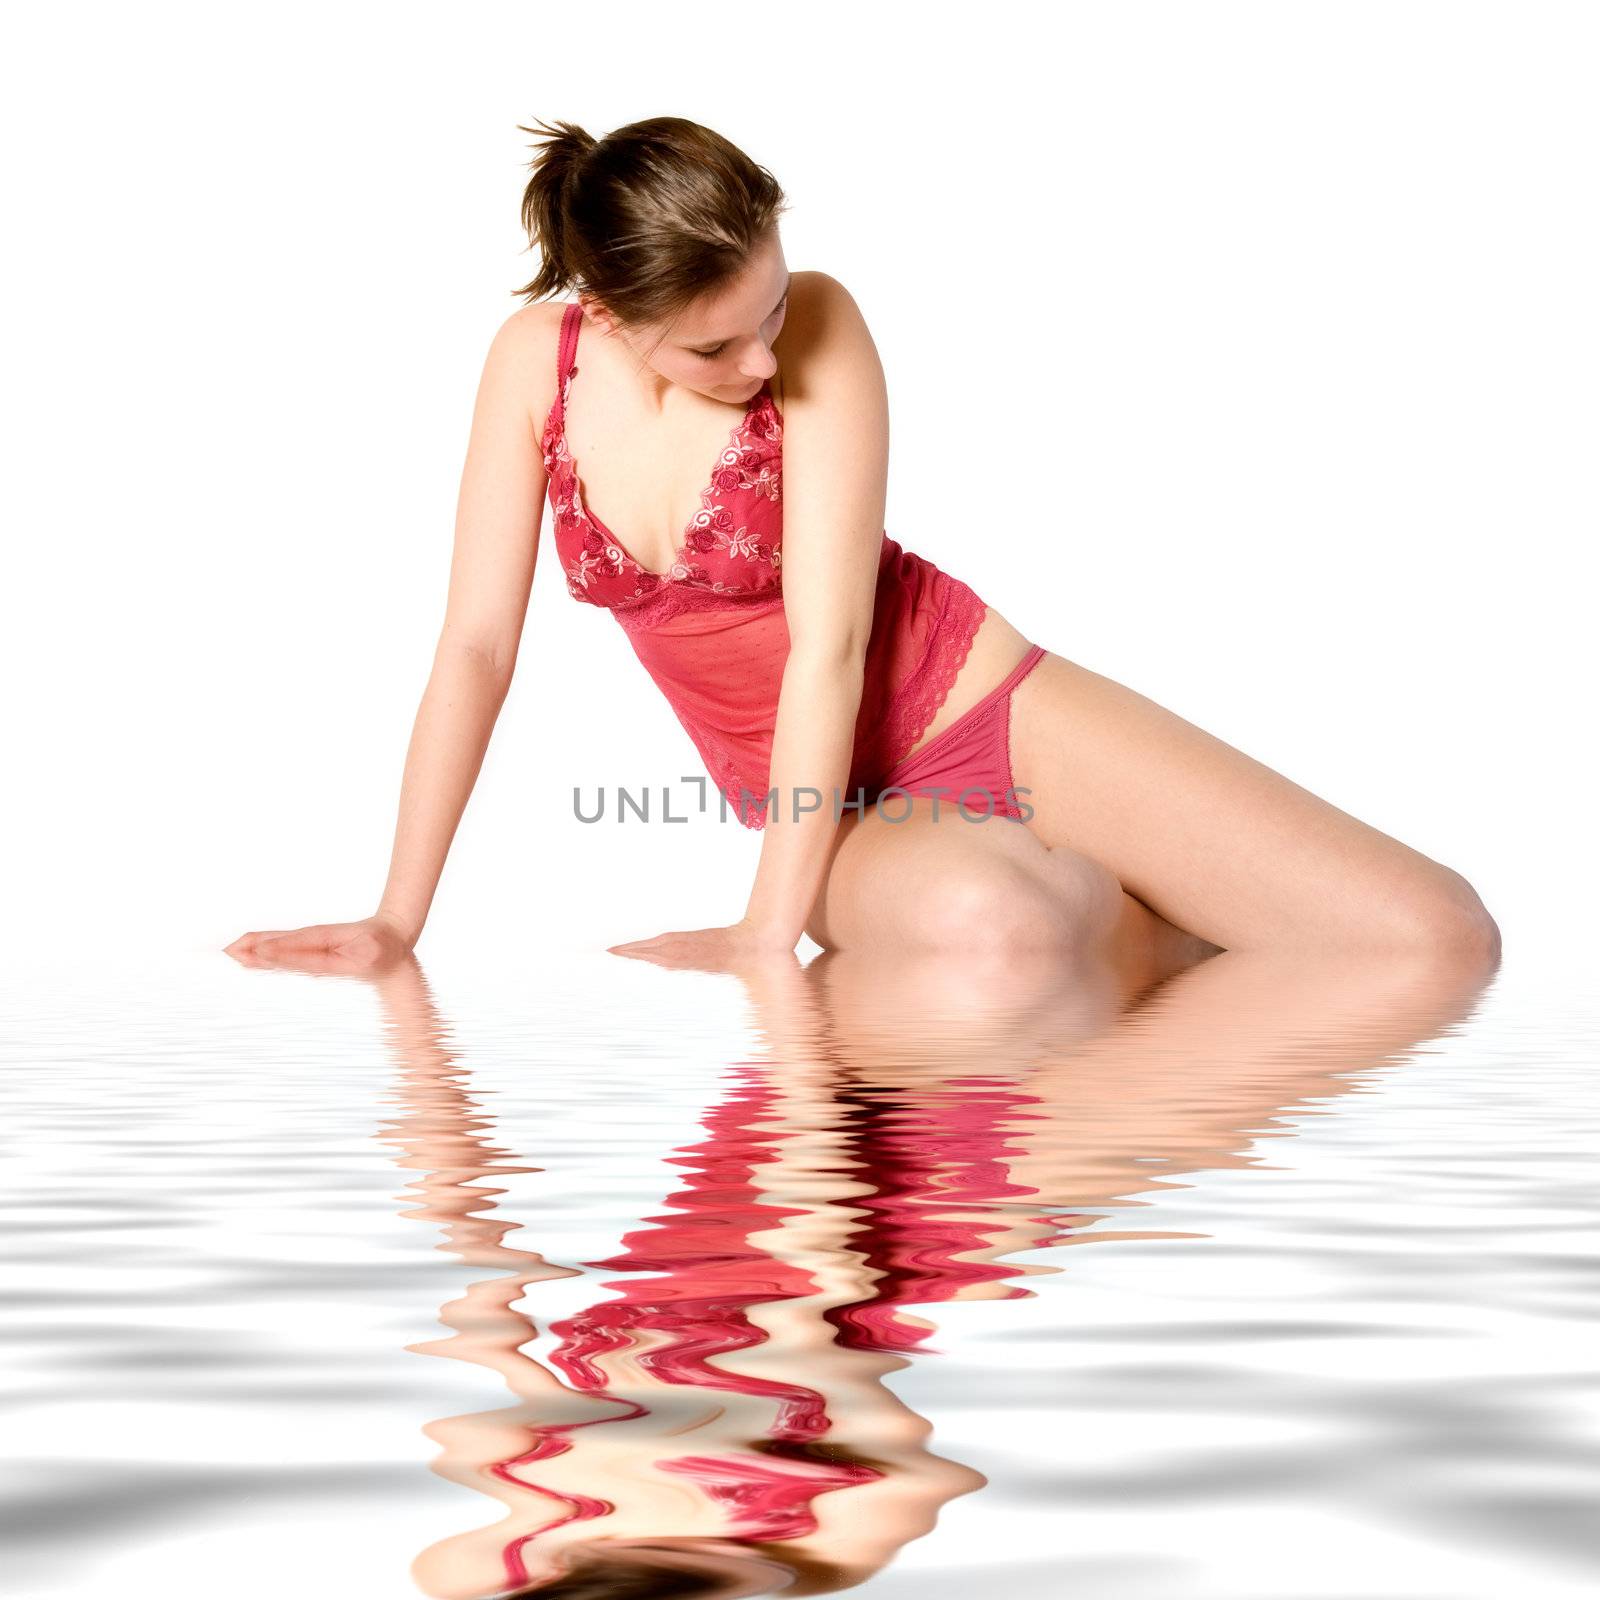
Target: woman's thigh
{"x": 1211, "y": 839}
{"x": 936, "y": 881}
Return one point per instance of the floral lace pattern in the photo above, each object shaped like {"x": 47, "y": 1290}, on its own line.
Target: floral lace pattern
{"x": 733, "y": 544}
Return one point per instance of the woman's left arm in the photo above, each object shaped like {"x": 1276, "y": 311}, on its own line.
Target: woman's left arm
{"x": 835, "y": 483}
{"x": 835, "y": 488}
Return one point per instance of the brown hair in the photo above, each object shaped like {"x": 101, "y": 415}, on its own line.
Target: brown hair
{"x": 645, "y": 220}
{"x": 667, "y": 1568}
{"x": 598, "y": 1575}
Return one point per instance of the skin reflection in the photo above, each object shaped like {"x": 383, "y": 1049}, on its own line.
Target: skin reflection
{"x": 1113, "y": 1102}
{"x": 721, "y": 1427}
{"x": 672, "y": 1451}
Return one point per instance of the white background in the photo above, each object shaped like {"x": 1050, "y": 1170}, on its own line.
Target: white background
{"x": 1244, "y": 353}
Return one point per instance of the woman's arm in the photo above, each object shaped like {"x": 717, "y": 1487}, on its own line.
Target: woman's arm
{"x": 835, "y": 484}
{"x": 491, "y": 575}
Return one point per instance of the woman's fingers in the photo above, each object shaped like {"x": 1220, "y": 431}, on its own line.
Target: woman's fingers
{"x": 282, "y": 941}
{"x": 323, "y": 946}
{"x": 319, "y": 936}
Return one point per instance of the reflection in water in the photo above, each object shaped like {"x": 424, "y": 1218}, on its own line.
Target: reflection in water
{"x": 719, "y": 1425}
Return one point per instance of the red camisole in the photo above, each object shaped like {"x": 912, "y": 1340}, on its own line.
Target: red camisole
{"x": 937, "y": 1163}
{"x": 711, "y": 630}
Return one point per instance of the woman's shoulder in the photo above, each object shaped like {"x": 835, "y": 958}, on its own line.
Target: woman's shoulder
{"x": 532, "y": 332}
{"x": 522, "y": 356}
{"x": 825, "y": 342}
{"x": 817, "y": 301}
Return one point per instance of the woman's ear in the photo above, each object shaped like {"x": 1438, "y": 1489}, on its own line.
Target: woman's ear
{"x": 597, "y": 315}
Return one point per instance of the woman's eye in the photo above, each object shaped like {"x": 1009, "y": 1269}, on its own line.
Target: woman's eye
{"x": 711, "y": 355}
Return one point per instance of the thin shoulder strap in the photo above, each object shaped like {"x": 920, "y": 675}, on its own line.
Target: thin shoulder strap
{"x": 567, "y": 349}
{"x": 555, "y": 422}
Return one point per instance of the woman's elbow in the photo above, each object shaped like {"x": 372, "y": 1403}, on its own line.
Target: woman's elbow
{"x": 831, "y": 654}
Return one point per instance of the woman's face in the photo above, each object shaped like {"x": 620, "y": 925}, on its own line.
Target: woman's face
{"x": 721, "y": 346}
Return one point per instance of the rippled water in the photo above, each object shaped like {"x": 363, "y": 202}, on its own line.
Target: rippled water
{"x": 1281, "y": 1284}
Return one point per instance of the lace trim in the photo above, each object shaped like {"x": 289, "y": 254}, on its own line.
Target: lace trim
{"x": 667, "y": 600}
{"x": 750, "y": 463}
{"x": 751, "y": 813}
{"x": 754, "y": 813}
{"x": 921, "y": 695}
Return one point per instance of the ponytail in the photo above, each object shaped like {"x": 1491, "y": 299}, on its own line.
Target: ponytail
{"x": 546, "y": 202}
{"x": 646, "y": 220}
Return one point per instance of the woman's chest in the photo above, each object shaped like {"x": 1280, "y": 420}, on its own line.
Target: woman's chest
{"x": 731, "y": 542}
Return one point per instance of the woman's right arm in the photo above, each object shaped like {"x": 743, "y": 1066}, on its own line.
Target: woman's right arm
{"x": 491, "y": 575}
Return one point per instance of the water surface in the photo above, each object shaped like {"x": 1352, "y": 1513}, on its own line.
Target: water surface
{"x": 907, "y": 1282}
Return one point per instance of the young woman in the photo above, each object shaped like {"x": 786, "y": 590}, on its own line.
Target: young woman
{"x": 816, "y": 664}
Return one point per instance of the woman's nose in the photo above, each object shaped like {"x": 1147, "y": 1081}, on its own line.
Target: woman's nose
{"x": 763, "y": 366}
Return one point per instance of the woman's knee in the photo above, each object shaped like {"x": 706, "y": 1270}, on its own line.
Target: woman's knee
{"x": 1062, "y": 901}
{"x": 1447, "y": 917}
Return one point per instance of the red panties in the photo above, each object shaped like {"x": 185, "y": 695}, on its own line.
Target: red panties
{"x": 969, "y": 764}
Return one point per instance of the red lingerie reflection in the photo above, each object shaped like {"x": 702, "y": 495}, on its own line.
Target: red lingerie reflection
{"x": 928, "y": 1156}
{"x": 924, "y": 1163}
{"x": 664, "y": 1431}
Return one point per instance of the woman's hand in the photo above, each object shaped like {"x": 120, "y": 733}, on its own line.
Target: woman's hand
{"x": 374, "y": 943}
{"x": 732, "y": 949}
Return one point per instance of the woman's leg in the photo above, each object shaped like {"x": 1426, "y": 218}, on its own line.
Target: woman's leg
{"x": 1212, "y": 840}
{"x": 937, "y": 883}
